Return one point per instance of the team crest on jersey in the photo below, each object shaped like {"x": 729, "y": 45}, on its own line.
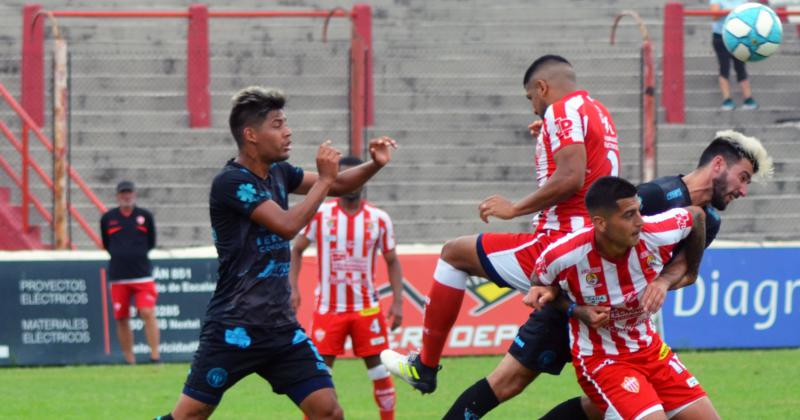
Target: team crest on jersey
{"x": 140, "y": 219}
{"x": 650, "y": 260}
{"x": 319, "y": 334}
{"x": 591, "y": 279}
{"x": 631, "y": 384}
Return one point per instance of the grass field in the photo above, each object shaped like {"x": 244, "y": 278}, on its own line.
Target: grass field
{"x": 742, "y": 384}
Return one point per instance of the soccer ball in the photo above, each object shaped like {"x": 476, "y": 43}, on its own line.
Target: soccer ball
{"x": 752, "y": 32}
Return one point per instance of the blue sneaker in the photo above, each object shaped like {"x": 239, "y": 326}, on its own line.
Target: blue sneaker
{"x": 750, "y": 104}
{"x": 728, "y": 105}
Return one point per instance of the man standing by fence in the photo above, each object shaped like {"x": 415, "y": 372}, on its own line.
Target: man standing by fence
{"x": 129, "y": 233}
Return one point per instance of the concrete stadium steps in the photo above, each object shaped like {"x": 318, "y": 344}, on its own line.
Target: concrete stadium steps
{"x": 447, "y": 74}
{"x": 224, "y": 83}
{"x": 172, "y": 101}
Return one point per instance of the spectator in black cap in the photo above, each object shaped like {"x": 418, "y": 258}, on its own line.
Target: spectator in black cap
{"x": 129, "y": 233}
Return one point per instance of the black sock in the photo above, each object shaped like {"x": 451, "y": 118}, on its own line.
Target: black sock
{"x": 567, "y": 410}
{"x": 167, "y": 416}
{"x": 476, "y": 400}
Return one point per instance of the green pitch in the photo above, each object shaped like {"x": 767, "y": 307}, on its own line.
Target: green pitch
{"x": 742, "y": 384}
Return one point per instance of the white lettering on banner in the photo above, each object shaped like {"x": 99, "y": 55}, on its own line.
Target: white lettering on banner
{"x": 206, "y": 286}
{"x": 38, "y": 292}
{"x": 167, "y": 348}
{"x": 742, "y": 308}
{"x": 790, "y": 286}
{"x": 482, "y": 335}
{"x": 770, "y": 310}
{"x": 55, "y": 331}
{"x": 52, "y": 285}
{"x": 736, "y": 299}
{"x": 50, "y": 324}
{"x": 172, "y": 273}
{"x": 461, "y": 336}
{"x": 162, "y": 311}
{"x": 56, "y": 337}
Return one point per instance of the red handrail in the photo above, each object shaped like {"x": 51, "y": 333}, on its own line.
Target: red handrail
{"x": 28, "y": 124}
{"x": 182, "y": 14}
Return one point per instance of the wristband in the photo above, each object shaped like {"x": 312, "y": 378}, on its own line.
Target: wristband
{"x": 571, "y": 309}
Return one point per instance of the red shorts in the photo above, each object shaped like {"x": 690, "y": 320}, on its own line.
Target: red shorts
{"x": 367, "y": 328}
{"x": 144, "y": 294}
{"x": 509, "y": 258}
{"x": 635, "y": 385}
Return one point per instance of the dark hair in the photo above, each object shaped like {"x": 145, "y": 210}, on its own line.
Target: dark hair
{"x": 731, "y": 151}
{"x": 539, "y": 63}
{"x": 604, "y": 193}
{"x": 350, "y": 161}
{"x": 250, "y": 106}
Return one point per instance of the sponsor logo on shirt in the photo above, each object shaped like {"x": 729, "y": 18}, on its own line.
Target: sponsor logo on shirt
{"x": 596, "y": 300}
{"x": 664, "y": 352}
{"x": 377, "y": 341}
{"x": 237, "y": 337}
{"x": 676, "y": 193}
{"x": 692, "y": 382}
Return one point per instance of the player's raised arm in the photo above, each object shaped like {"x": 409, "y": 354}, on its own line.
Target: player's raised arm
{"x": 694, "y": 246}
{"x": 287, "y": 223}
{"x": 564, "y": 183}
{"x": 380, "y": 149}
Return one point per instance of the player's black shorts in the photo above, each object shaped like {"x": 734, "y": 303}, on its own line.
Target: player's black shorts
{"x": 542, "y": 343}
{"x": 286, "y": 358}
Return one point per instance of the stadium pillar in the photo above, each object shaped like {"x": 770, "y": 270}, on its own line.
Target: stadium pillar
{"x": 362, "y": 27}
{"x": 198, "y": 97}
{"x": 673, "y": 67}
{"x": 32, "y": 91}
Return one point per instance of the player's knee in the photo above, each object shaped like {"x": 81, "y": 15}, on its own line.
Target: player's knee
{"x": 147, "y": 313}
{"x": 331, "y": 411}
{"x": 508, "y": 385}
{"x": 455, "y": 251}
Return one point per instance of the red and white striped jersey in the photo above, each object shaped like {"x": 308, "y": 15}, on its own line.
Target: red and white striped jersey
{"x": 346, "y": 245}
{"x": 575, "y": 118}
{"x": 590, "y": 279}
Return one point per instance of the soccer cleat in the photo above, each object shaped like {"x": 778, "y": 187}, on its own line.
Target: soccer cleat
{"x": 728, "y": 105}
{"x": 750, "y": 104}
{"x": 410, "y": 369}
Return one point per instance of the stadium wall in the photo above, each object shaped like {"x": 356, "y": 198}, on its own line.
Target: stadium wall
{"x": 55, "y": 306}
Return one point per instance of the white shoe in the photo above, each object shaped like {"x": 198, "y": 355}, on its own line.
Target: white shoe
{"x": 411, "y": 370}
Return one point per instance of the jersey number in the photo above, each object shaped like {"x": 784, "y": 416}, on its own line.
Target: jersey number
{"x": 375, "y": 327}
{"x": 614, "y": 160}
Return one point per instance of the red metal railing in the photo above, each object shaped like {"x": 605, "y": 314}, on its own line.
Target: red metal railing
{"x": 198, "y": 95}
{"x": 23, "y": 182}
{"x": 672, "y": 80}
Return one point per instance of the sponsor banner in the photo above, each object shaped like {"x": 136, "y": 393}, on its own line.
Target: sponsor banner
{"x": 60, "y": 312}
{"x": 745, "y": 297}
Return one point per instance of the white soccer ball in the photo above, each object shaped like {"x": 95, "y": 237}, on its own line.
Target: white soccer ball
{"x": 752, "y": 32}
